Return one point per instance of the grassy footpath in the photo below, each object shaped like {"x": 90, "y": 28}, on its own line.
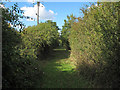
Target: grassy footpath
{"x": 59, "y": 72}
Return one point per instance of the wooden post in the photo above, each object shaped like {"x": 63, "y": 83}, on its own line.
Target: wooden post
{"x": 38, "y": 4}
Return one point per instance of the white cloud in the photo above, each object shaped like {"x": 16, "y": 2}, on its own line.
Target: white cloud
{"x": 30, "y": 20}
{"x": 96, "y": 5}
{"x": 31, "y": 1}
{"x": 2, "y": 6}
{"x": 17, "y": 26}
{"x": 51, "y": 11}
{"x": 43, "y": 13}
{"x": 88, "y": 7}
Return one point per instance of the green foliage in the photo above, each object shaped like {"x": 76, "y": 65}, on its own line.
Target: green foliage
{"x": 12, "y": 16}
{"x": 95, "y": 44}
{"x": 39, "y": 40}
{"x": 18, "y": 71}
{"x": 21, "y": 50}
{"x": 66, "y": 31}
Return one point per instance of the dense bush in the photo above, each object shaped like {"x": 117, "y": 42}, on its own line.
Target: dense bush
{"x": 94, "y": 42}
{"x": 66, "y": 31}
{"x": 17, "y": 71}
{"x": 40, "y": 40}
{"x": 22, "y": 49}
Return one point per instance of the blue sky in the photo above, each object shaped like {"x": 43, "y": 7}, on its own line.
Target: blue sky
{"x": 57, "y": 11}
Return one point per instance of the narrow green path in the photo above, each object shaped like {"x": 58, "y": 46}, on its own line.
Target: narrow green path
{"x": 59, "y": 72}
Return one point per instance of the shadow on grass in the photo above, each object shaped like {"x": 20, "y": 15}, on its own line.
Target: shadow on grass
{"x": 59, "y": 73}
{"x": 58, "y": 54}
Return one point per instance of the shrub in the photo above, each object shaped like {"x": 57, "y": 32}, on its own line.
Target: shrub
{"x": 66, "y": 31}
{"x": 94, "y": 42}
{"x": 39, "y": 40}
{"x": 17, "y": 71}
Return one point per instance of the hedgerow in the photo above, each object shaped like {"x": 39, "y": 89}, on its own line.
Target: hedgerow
{"x": 66, "y": 31}
{"x": 94, "y": 42}
{"x": 40, "y": 40}
{"x": 21, "y": 50}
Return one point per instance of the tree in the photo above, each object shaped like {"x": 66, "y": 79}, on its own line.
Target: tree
{"x": 66, "y": 31}
{"x": 45, "y": 39}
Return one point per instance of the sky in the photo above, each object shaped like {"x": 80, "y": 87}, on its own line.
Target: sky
{"x": 55, "y": 11}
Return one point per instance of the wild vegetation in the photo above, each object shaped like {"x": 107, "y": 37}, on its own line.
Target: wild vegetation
{"x": 94, "y": 42}
{"x": 29, "y": 57}
{"x": 66, "y": 31}
{"x": 22, "y": 50}
{"x": 17, "y": 70}
{"x": 45, "y": 39}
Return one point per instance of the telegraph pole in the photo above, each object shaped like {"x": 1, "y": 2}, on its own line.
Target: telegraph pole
{"x": 38, "y": 4}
